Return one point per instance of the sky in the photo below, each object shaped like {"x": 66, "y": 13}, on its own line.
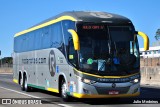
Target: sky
{"x": 18, "y": 15}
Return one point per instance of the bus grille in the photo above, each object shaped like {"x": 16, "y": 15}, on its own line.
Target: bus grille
{"x": 105, "y": 90}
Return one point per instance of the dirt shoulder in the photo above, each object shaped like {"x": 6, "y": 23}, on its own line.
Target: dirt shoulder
{"x": 6, "y": 70}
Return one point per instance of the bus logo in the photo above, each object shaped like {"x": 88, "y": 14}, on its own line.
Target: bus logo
{"x": 52, "y": 63}
{"x": 113, "y": 85}
{"x": 101, "y": 15}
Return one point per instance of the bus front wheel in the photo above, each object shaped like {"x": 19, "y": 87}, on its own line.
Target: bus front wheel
{"x": 64, "y": 95}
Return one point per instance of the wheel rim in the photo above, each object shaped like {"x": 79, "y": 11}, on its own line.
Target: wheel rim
{"x": 64, "y": 90}
{"x": 25, "y": 85}
{"x": 21, "y": 82}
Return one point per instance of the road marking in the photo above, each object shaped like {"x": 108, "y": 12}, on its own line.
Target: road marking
{"x": 62, "y": 105}
{"x": 20, "y": 92}
{"x": 5, "y": 73}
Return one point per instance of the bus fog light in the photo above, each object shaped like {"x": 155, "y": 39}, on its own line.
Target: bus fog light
{"x": 85, "y": 91}
{"x": 135, "y": 90}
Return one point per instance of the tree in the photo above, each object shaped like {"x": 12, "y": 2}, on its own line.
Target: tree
{"x": 7, "y": 60}
{"x": 157, "y": 37}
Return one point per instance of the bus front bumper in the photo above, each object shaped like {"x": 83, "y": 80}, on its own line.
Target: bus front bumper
{"x": 102, "y": 90}
{"x": 78, "y": 95}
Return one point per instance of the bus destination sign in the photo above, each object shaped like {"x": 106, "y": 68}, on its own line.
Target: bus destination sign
{"x": 93, "y": 27}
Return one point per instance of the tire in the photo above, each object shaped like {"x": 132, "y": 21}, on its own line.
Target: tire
{"x": 26, "y": 88}
{"x": 22, "y": 83}
{"x": 64, "y": 95}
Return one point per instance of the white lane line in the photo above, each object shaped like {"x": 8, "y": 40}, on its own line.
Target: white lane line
{"x": 20, "y": 92}
{"x": 63, "y": 105}
{"x": 5, "y": 73}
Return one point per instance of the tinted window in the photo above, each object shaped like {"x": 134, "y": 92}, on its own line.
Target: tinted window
{"x": 121, "y": 34}
{"x": 47, "y": 37}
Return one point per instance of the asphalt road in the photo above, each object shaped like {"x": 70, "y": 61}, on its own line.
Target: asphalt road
{"x": 8, "y": 89}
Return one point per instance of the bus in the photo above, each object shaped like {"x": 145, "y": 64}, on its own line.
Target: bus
{"x": 80, "y": 54}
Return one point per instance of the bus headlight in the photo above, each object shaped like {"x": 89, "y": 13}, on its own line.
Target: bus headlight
{"x": 87, "y": 81}
{"x": 84, "y": 80}
{"x": 135, "y": 81}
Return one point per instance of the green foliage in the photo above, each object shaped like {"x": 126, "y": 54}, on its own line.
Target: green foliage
{"x": 157, "y": 37}
{"x": 7, "y": 60}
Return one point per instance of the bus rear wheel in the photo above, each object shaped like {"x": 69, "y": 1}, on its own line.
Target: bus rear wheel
{"x": 22, "y": 83}
{"x": 26, "y": 87}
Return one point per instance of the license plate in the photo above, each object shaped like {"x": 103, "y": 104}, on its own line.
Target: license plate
{"x": 113, "y": 92}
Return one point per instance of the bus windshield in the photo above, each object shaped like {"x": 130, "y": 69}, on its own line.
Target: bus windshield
{"x": 106, "y": 50}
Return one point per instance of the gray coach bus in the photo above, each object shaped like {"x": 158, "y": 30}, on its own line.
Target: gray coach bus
{"x": 80, "y": 54}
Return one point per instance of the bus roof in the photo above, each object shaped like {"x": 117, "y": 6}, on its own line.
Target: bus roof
{"x": 91, "y": 16}
{"x": 85, "y": 16}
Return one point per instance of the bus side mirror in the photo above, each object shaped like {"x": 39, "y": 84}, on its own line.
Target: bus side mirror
{"x": 75, "y": 39}
{"x": 145, "y": 38}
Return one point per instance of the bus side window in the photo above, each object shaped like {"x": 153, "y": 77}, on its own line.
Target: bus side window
{"x": 72, "y": 53}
